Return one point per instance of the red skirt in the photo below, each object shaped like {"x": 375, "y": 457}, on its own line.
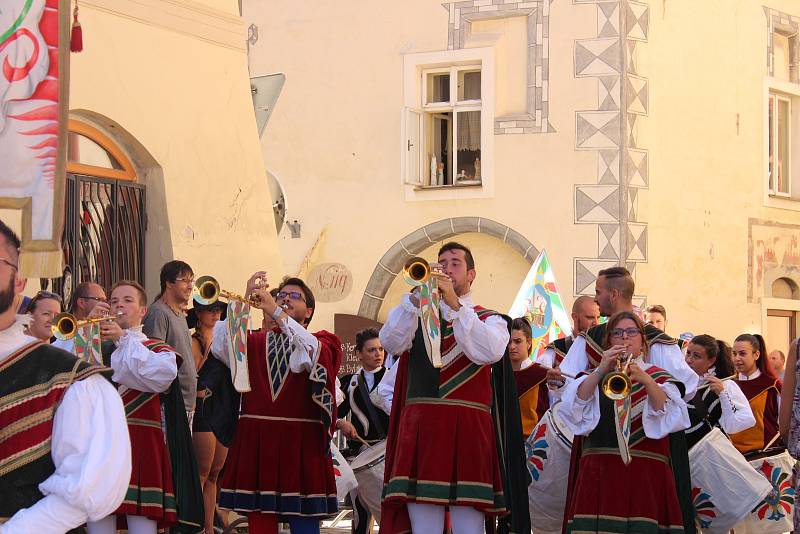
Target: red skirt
{"x": 150, "y": 493}
{"x": 281, "y": 467}
{"x": 612, "y": 497}
{"x": 446, "y": 454}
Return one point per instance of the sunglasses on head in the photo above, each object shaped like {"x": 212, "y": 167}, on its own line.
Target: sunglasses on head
{"x": 47, "y": 295}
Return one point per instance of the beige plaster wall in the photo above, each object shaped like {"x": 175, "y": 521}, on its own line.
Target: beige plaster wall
{"x": 706, "y": 64}
{"x": 185, "y": 97}
{"x": 334, "y": 140}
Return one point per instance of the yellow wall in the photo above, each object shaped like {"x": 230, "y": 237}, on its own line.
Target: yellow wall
{"x": 187, "y": 101}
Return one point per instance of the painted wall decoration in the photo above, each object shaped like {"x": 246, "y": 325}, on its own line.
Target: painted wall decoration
{"x": 330, "y": 282}
{"x": 773, "y": 253}
{"x": 34, "y": 83}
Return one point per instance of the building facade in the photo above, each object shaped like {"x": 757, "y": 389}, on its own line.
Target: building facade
{"x": 651, "y": 134}
{"x": 164, "y": 160}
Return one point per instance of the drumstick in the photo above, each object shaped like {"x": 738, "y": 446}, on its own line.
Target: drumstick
{"x": 359, "y": 438}
{"x": 562, "y": 373}
{"x": 772, "y": 441}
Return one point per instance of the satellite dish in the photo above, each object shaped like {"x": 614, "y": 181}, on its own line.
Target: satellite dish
{"x": 278, "y": 200}
{"x": 265, "y": 91}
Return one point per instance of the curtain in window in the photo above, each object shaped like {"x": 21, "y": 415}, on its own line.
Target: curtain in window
{"x": 469, "y": 130}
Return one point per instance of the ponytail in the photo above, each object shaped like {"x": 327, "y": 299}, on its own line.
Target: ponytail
{"x": 724, "y": 367}
{"x": 757, "y": 343}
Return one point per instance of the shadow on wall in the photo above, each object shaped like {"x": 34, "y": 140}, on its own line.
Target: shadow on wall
{"x": 158, "y": 238}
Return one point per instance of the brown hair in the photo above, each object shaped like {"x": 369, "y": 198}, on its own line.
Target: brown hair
{"x": 657, "y": 308}
{"x": 135, "y": 285}
{"x": 615, "y": 319}
{"x": 619, "y": 278}
{"x": 757, "y": 343}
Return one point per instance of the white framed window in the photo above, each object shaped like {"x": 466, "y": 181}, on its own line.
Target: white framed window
{"x": 779, "y": 140}
{"x": 448, "y": 124}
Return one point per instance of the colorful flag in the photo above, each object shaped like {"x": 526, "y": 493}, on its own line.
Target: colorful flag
{"x": 539, "y": 302}
{"x": 34, "y": 52}
{"x": 238, "y": 319}
{"x": 429, "y": 300}
{"x": 87, "y": 343}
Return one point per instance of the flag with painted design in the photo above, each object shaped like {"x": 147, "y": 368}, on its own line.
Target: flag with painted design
{"x": 34, "y": 53}
{"x": 238, "y": 319}
{"x": 538, "y": 301}
{"x": 87, "y": 343}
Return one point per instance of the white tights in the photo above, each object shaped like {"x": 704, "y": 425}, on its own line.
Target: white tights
{"x": 136, "y": 525}
{"x": 429, "y": 519}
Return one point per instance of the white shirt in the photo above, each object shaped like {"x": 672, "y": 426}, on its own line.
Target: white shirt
{"x": 583, "y": 416}
{"x": 369, "y": 377}
{"x": 667, "y": 357}
{"x": 137, "y": 367}
{"x": 91, "y": 451}
{"x": 305, "y": 351}
{"x": 483, "y": 342}
{"x": 737, "y": 415}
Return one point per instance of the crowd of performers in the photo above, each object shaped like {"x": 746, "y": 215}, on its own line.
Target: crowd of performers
{"x": 156, "y": 436}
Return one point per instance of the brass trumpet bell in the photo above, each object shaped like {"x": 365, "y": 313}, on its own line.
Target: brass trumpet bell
{"x": 65, "y": 325}
{"x": 616, "y": 385}
{"x": 207, "y": 291}
{"x": 416, "y": 271}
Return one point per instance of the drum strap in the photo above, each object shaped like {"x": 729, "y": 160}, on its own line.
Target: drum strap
{"x": 371, "y": 412}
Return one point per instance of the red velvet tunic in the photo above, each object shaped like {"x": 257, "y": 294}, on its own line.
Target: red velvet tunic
{"x": 279, "y": 461}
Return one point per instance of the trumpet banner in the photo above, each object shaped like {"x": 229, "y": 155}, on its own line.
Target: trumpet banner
{"x": 34, "y": 85}
{"x": 238, "y": 319}
{"x": 538, "y": 301}
{"x": 88, "y": 343}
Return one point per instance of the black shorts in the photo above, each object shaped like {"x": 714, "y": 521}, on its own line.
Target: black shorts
{"x": 199, "y": 423}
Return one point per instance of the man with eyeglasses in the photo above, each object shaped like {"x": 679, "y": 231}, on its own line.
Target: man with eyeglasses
{"x": 73, "y": 465}
{"x": 88, "y": 302}
{"x": 279, "y": 465}
{"x": 166, "y": 320}
{"x": 614, "y": 291}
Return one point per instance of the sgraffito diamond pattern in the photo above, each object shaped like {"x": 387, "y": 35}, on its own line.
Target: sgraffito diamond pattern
{"x": 279, "y": 348}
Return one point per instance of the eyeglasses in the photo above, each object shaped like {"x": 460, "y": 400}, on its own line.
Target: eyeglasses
{"x": 625, "y": 332}
{"x": 12, "y": 265}
{"x": 189, "y": 281}
{"x": 96, "y": 299}
{"x": 294, "y": 295}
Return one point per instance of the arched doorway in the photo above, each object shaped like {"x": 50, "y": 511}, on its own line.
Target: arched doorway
{"x": 391, "y": 264}
{"x": 104, "y": 220}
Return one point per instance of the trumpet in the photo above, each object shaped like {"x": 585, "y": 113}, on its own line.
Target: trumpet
{"x": 416, "y": 271}
{"x": 65, "y": 325}
{"x": 207, "y": 291}
{"x": 617, "y": 385}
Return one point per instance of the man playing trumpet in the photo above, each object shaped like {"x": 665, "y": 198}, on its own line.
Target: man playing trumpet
{"x": 164, "y": 488}
{"x": 442, "y": 448}
{"x": 279, "y": 465}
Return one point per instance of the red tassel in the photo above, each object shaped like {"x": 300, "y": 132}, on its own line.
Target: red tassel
{"x": 76, "y": 39}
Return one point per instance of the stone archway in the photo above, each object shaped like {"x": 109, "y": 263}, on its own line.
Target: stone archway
{"x": 412, "y": 244}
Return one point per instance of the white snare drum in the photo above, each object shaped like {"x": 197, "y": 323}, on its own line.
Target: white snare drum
{"x": 345, "y": 480}
{"x": 725, "y": 487}
{"x": 548, "y": 450}
{"x": 774, "y": 513}
{"x": 368, "y": 468}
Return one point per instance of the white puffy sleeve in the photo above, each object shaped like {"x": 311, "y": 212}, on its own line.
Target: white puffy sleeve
{"x": 385, "y": 390}
{"x": 673, "y": 417}
{"x": 92, "y": 454}
{"x": 575, "y": 361}
{"x": 305, "y": 350}
{"x": 547, "y": 358}
{"x": 483, "y": 342}
{"x": 139, "y": 368}
{"x": 398, "y": 331}
{"x": 670, "y": 358}
{"x": 737, "y": 415}
{"x": 219, "y": 342}
{"x": 581, "y": 416}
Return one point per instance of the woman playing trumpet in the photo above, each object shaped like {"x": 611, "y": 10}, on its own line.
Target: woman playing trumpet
{"x": 717, "y": 402}
{"x": 640, "y": 495}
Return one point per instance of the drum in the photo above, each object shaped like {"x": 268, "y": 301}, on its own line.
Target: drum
{"x": 724, "y": 486}
{"x": 774, "y": 513}
{"x": 548, "y": 450}
{"x": 368, "y": 469}
{"x": 345, "y": 480}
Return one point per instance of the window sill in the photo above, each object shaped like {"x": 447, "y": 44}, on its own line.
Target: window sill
{"x": 471, "y": 183}
{"x": 782, "y": 202}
